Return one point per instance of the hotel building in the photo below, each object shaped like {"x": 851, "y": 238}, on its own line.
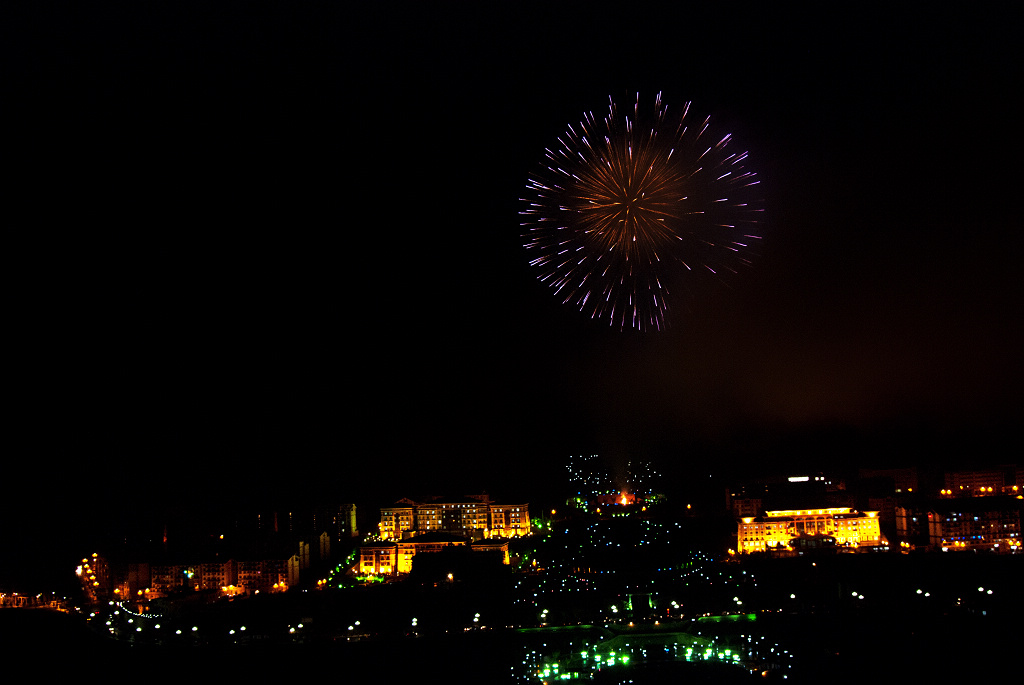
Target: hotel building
{"x": 778, "y": 530}
{"x": 473, "y": 517}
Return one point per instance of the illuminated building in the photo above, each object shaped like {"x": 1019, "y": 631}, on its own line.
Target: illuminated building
{"x": 509, "y": 520}
{"x": 968, "y": 519}
{"x": 777, "y": 530}
{"x": 387, "y": 558}
{"x": 1000, "y": 480}
{"x": 986, "y": 529}
{"x": 397, "y": 519}
{"x": 378, "y": 559}
{"x": 215, "y": 575}
{"x": 992, "y": 523}
{"x": 263, "y": 575}
{"x": 476, "y": 518}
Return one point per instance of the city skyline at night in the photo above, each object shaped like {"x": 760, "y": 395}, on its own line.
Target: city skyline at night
{"x": 277, "y": 267}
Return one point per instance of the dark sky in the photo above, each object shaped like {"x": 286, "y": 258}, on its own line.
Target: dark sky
{"x": 273, "y": 248}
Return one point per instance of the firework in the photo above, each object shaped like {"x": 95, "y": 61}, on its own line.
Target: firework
{"x": 626, "y": 205}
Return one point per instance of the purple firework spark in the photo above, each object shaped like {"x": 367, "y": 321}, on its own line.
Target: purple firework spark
{"x": 625, "y": 205}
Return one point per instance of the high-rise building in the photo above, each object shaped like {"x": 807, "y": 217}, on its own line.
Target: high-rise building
{"x": 345, "y": 522}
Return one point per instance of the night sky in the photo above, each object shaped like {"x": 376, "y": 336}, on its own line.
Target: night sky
{"x": 272, "y": 250}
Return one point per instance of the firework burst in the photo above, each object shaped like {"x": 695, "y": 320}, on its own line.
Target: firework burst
{"x": 627, "y": 204}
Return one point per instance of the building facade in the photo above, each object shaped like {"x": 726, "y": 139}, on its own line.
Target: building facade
{"x": 390, "y": 558}
{"x": 474, "y": 518}
{"x": 986, "y": 528}
{"x": 780, "y": 529}
{"x": 966, "y": 523}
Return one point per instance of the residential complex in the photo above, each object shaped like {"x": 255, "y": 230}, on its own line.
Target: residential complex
{"x": 966, "y": 523}
{"x": 231, "y": 577}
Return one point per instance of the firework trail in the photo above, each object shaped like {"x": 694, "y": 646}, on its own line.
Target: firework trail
{"x": 626, "y": 204}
